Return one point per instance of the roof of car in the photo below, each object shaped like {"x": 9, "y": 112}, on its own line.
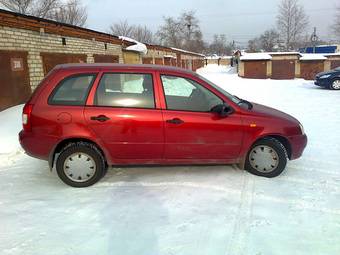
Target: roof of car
{"x": 123, "y": 66}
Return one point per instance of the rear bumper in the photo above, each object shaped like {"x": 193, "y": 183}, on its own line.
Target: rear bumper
{"x": 37, "y": 147}
{"x": 298, "y": 144}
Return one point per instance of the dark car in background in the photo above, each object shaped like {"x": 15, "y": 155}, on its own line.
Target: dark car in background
{"x": 329, "y": 79}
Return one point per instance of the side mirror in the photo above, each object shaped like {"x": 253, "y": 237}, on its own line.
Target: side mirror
{"x": 222, "y": 109}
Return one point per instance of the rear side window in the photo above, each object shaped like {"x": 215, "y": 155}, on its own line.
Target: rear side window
{"x": 73, "y": 90}
{"x": 125, "y": 90}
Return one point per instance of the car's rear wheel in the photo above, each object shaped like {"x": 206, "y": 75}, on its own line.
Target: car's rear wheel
{"x": 335, "y": 84}
{"x": 267, "y": 157}
{"x": 80, "y": 165}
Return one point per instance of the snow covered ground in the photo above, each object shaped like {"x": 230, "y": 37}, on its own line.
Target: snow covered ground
{"x": 184, "y": 210}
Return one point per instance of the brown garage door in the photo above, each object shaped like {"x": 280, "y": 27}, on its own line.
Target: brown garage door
{"x": 159, "y": 61}
{"x": 283, "y": 69}
{"x": 335, "y": 64}
{"x": 131, "y": 57}
{"x": 167, "y": 61}
{"x": 310, "y": 68}
{"x": 147, "y": 61}
{"x": 255, "y": 69}
{"x": 99, "y": 58}
{"x": 50, "y": 60}
{"x": 14, "y": 79}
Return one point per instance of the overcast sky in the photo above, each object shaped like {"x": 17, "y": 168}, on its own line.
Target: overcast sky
{"x": 239, "y": 20}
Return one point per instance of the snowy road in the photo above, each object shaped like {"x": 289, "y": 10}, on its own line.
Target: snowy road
{"x": 185, "y": 210}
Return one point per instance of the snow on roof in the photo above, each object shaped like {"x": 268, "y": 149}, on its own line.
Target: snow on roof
{"x": 256, "y": 56}
{"x": 139, "y": 47}
{"x": 186, "y": 51}
{"x": 312, "y": 56}
{"x": 332, "y": 54}
{"x": 169, "y": 56}
{"x": 284, "y": 53}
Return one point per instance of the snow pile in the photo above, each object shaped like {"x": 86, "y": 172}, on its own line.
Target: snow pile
{"x": 256, "y": 56}
{"x": 139, "y": 47}
{"x": 311, "y": 56}
{"x": 11, "y": 125}
{"x": 186, "y": 51}
{"x": 169, "y": 56}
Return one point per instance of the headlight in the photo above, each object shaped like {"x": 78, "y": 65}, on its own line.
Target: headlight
{"x": 302, "y": 129}
{"x": 325, "y": 76}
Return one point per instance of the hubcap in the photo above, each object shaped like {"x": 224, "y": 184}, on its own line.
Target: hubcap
{"x": 79, "y": 167}
{"x": 336, "y": 84}
{"x": 263, "y": 158}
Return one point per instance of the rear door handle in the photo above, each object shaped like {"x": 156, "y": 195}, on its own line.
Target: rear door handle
{"x": 100, "y": 118}
{"x": 175, "y": 121}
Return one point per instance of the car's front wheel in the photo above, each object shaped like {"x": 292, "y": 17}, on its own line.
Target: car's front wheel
{"x": 267, "y": 157}
{"x": 335, "y": 84}
{"x": 80, "y": 165}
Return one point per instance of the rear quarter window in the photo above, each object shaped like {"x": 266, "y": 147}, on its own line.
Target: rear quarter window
{"x": 72, "y": 90}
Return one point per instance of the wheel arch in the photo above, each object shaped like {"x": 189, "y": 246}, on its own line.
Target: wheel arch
{"x": 70, "y": 140}
{"x": 282, "y": 139}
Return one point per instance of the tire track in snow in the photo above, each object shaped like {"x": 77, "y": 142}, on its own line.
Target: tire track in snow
{"x": 238, "y": 242}
{"x": 234, "y": 192}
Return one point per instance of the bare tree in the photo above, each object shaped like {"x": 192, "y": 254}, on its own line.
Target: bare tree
{"x": 143, "y": 34}
{"x": 220, "y": 46}
{"x": 169, "y": 33}
{"x": 122, "y": 28}
{"x": 20, "y": 6}
{"x": 291, "y": 22}
{"x": 254, "y": 45}
{"x": 71, "y": 11}
{"x": 139, "y": 33}
{"x": 269, "y": 40}
{"x": 182, "y": 32}
{"x": 336, "y": 25}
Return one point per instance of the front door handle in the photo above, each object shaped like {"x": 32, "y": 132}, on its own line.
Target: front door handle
{"x": 100, "y": 118}
{"x": 175, "y": 121}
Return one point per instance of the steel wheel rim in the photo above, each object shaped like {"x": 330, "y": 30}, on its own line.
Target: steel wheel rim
{"x": 79, "y": 167}
{"x": 336, "y": 84}
{"x": 264, "y": 158}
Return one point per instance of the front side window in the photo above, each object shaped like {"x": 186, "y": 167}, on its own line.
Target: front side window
{"x": 73, "y": 90}
{"x": 187, "y": 95}
{"x": 125, "y": 90}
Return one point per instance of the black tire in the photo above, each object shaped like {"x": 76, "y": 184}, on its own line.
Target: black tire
{"x": 277, "y": 147}
{"x": 85, "y": 149}
{"x": 332, "y": 85}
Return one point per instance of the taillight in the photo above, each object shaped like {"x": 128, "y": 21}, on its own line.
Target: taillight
{"x": 26, "y": 117}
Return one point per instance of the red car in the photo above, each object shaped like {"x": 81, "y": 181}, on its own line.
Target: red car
{"x": 85, "y": 117}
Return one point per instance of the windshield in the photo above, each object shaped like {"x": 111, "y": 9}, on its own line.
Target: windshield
{"x": 235, "y": 99}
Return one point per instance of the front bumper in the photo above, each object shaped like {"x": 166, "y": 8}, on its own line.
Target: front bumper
{"x": 322, "y": 82}
{"x": 298, "y": 144}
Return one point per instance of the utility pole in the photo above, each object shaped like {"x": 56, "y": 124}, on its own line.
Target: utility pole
{"x": 314, "y": 39}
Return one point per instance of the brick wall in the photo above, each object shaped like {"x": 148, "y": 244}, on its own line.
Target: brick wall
{"x": 37, "y": 42}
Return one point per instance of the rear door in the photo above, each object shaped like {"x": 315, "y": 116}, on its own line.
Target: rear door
{"x": 125, "y": 116}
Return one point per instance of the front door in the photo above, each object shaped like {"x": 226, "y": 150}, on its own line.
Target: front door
{"x": 125, "y": 118}
{"x": 191, "y": 130}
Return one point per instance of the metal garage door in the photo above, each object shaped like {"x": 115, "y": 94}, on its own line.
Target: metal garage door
{"x": 131, "y": 57}
{"x": 147, "y": 61}
{"x": 310, "y": 68}
{"x": 335, "y": 64}
{"x": 159, "y": 61}
{"x": 283, "y": 69}
{"x": 14, "y": 78}
{"x": 167, "y": 61}
{"x": 50, "y": 60}
{"x": 255, "y": 69}
{"x": 99, "y": 58}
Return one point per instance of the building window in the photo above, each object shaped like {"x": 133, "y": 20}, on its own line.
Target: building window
{"x": 63, "y": 40}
